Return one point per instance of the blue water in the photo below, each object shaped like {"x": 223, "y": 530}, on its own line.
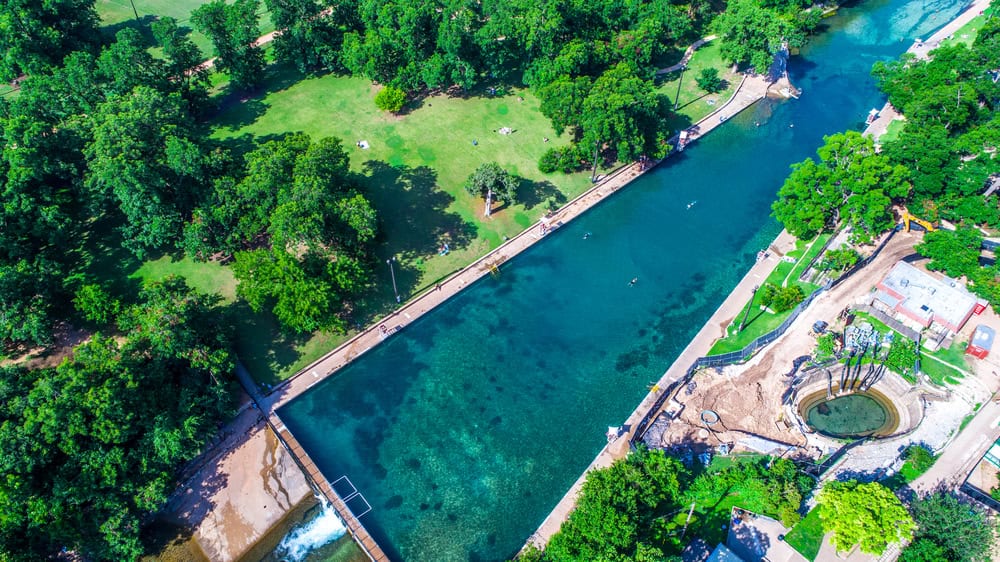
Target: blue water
{"x": 464, "y": 430}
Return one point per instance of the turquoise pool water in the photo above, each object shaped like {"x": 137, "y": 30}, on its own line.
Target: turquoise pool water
{"x": 464, "y": 430}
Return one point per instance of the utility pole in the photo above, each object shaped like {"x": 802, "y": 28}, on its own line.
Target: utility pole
{"x": 743, "y": 324}
{"x": 136, "y": 12}
{"x": 677, "y": 98}
{"x": 393, "y": 274}
{"x": 593, "y": 174}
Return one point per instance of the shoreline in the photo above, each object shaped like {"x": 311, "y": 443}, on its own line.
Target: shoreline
{"x": 751, "y": 90}
{"x": 721, "y": 318}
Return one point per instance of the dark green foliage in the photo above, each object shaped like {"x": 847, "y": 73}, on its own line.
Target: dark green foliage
{"x": 146, "y": 158}
{"x": 89, "y": 448}
{"x": 710, "y": 81}
{"x": 35, "y": 35}
{"x": 839, "y": 260}
{"x": 564, "y": 159}
{"x": 183, "y": 61}
{"x": 492, "y": 182}
{"x": 636, "y": 508}
{"x": 233, "y": 28}
{"x": 902, "y": 355}
{"x": 956, "y": 252}
{"x": 825, "y": 346}
{"x": 850, "y": 185}
{"x": 96, "y": 304}
{"x": 390, "y": 99}
{"x": 616, "y": 507}
{"x": 26, "y": 307}
{"x": 624, "y": 112}
{"x": 919, "y": 457}
{"x": 752, "y": 32}
{"x": 311, "y": 34}
{"x": 781, "y": 299}
{"x": 950, "y": 528}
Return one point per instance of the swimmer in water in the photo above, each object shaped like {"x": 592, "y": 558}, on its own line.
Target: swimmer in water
{"x": 633, "y": 281}
{"x": 691, "y": 204}
{"x": 586, "y": 235}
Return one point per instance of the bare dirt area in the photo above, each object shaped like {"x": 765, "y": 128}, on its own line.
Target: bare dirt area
{"x": 748, "y": 398}
{"x": 64, "y": 339}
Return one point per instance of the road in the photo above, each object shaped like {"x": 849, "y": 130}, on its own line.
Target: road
{"x": 964, "y": 452}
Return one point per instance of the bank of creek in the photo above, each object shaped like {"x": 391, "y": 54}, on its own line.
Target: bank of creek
{"x": 464, "y": 430}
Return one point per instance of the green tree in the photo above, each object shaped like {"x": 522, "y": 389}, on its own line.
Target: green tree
{"x": 615, "y": 508}
{"x": 752, "y": 34}
{"x": 851, "y": 184}
{"x": 27, "y": 290}
{"x": 233, "y": 29}
{"x": 145, "y": 157}
{"x": 91, "y": 447}
{"x": 956, "y": 252}
{"x": 390, "y": 99}
{"x": 184, "y": 61}
{"x": 96, "y": 304}
{"x": 869, "y": 515}
{"x": 710, "y": 81}
{"x": 961, "y": 531}
{"x": 626, "y": 113}
{"x": 36, "y": 36}
{"x": 839, "y": 260}
{"x": 491, "y": 181}
{"x": 781, "y": 299}
{"x": 310, "y": 36}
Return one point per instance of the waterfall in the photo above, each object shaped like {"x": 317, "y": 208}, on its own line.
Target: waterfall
{"x": 323, "y": 529}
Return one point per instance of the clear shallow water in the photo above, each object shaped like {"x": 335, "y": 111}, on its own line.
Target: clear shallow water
{"x": 845, "y": 416}
{"x": 464, "y": 430}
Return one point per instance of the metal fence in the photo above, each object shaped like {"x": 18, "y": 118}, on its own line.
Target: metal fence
{"x": 753, "y": 347}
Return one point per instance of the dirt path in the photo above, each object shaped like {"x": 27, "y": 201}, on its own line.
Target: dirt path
{"x": 687, "y": 55}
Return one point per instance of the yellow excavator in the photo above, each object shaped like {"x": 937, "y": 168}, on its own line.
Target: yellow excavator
{"x": 910, "y": 218}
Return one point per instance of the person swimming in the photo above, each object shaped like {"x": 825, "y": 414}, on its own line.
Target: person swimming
{"x": 633, "y": 281}
{"x": 691, "y": 204}
{"x": 586, "y": 235}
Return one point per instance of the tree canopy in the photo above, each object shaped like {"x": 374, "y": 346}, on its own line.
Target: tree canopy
{"x": 35, "y": 36}
{"x": 949, "y": 529}
{"x": 233, "y": 29}
{"x": 869, "y": 515}
{"x": 492, "y": 182}
{"x": 89, "y": 448}
{"x": 851, "y": 185}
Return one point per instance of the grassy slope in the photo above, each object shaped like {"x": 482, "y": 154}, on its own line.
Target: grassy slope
{"x": 760, "y": 322}
{"x": 806, "y": 537}
{"x": 694, "y": 102}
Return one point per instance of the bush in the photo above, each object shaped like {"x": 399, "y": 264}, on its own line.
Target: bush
{"x": 391, "y": 99}
{"x": 839, "y": 260}
{"x": 781, "y": 299}
{"x": 565, "y": 159}
{"x": 919, "y": 457}
{"x": 710, "y": 81}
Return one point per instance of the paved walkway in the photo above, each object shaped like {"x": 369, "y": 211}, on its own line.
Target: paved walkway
{"x": 687, "y": 56}
{"x": 964, "y": 452}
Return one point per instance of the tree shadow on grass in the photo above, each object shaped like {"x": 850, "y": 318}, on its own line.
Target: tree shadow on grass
{"x": 534, "y": 193}
{"x": 240, "y": 108}
{"x": 414, "y": 210}
{"x": 143, "y": 26}
{"x": 261, "y": 344}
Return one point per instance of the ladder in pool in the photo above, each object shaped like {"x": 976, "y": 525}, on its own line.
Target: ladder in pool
{"x": 350, "y": 495}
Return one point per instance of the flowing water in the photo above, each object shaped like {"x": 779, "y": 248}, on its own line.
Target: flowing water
{"x": 322, "y": 529}
{"x": 464, "y": 430}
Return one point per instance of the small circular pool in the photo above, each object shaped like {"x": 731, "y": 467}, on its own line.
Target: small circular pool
{"x": 852, "y": 415}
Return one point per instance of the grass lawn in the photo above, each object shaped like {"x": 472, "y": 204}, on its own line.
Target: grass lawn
{"x": 695, "y": 103}
{"x": 413, "y": 172}
{"x": 951, "y": 370}
{"x": 115, "y": 14}
{"x": 968, "y": 32}
{"x": 892, "y": 131}
{"x": 806, "y": 537}
{"x": 759, "y": 321}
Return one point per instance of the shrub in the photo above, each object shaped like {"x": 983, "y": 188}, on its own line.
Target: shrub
{"x": 549, "y": 162}
{"x": 710, "y": 81}
{"x": 391, "y": 99}
{"x": 781, "y": 299}
{"x": 839, "y": 260}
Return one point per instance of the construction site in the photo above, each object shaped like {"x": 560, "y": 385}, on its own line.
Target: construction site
{"x": 870, "y": 396}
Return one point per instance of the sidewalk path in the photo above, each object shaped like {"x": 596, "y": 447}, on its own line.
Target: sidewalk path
{"x": 687, "y": 56}
{"x": 964, "y": 452}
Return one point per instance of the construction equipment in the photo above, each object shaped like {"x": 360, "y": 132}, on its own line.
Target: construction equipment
{"x": 909, "y": 218}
